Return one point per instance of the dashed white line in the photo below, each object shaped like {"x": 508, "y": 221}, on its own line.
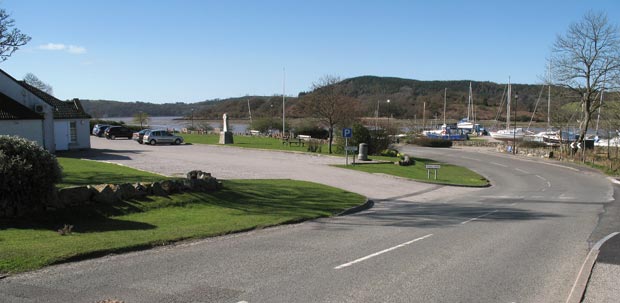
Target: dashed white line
{"x": 523, "y": 171}
{"x": 478, "y": 217}
{"x": 381, "y": 252}
{"x": 498, "y": 164}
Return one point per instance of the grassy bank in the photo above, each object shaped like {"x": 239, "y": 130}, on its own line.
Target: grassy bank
{"x": 251, "y": 142}
{"x": 448, "y": 174}
{"x": 83, "y": 172}
{"x": 104, "y": 228}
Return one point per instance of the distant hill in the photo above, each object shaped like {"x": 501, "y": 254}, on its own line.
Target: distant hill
{"x": 408, "y": 98}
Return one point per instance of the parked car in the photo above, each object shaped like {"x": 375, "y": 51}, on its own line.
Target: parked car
{"x": 114, "y": 132}
{"x": 101, "y": 130}
{"x": 138, "y": 136}
{"x": 96, "y": 127}
{"x": 161, "y": 136}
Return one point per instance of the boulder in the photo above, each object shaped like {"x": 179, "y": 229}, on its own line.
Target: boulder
{"x": 126, "y": 191}
{"x": 76, "y": 195}
{"x": 141, "y": 190}
{"x": 169, "y": 186}
{"x": 105, "y": 193}
{"x": 157, "y": 190}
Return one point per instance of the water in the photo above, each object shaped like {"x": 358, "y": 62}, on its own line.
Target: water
{"x": 177, "y": 123}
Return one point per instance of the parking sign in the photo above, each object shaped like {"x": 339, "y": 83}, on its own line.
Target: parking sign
{"x": 347, "y": 132}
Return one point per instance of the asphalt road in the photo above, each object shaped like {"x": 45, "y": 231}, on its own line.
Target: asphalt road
{"x": 521, "y": 240}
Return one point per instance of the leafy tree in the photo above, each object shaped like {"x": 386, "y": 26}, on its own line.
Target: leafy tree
{"x": 329, "y": 104}
{"x": 586, "y": 60}
{"x": 10, "y": 38}
{"x": 33, "y": 80}
{"x": 141, "y": 118}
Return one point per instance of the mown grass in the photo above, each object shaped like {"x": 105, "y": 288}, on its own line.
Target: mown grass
{"x": 101, "y": 228}
{"x": 448, "y": 174}
{"x": 251, "y": 142}
{"x": 84, "y": 172}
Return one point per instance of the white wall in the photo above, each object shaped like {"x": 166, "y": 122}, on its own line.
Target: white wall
{"x": 9, "y": 87}
{"x": 63, "y": 134}
{"x": 29, "y": 129}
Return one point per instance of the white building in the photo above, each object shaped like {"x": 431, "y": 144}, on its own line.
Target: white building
{"x": 28, "y": 112}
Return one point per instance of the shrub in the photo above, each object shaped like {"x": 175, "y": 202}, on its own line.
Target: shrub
{"x": 314, "y": 146}
{"x": 28, "y": 175}
{"x": 309, "y": 129}
{"x": 389, "y": 152}
{"x": 531, "y": 144}
{"x": 429, "y": 142}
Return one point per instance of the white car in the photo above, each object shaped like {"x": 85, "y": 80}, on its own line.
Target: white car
{"x": 161, "y": 136}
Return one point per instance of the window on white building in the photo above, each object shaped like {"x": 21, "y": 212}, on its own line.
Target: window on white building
{"x": 73, "y": 131}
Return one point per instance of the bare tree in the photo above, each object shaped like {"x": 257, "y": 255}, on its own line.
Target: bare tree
{"x": 330, "y": 105}
{"x": 586, "y": 60}
{"x": 142, "y": 118}
{"x": 10, "y": 38}
{"x": 33, "y": 80}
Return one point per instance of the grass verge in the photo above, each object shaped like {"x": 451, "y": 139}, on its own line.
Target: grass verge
{"x": 84, "y": 172}
{"x": 100, "y": 229}
{"x": 251, "y": 142}
{"x": 448, "y": 174}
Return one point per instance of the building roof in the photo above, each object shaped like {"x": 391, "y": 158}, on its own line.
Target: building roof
{"x": 62, "y": 109}
{"x": 13, "y": 110}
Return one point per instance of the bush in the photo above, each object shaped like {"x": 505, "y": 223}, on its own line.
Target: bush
{"x": 428, "y": 142}
{"x": 28, "y": 175}
{"x": 314, "y": 146}
{"x": 310, "y": 129}
{"x": 531, "y": 144}
{"x": 389, "y": 152}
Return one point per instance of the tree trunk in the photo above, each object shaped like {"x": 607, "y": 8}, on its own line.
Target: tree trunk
{"x": 331, "y": 139}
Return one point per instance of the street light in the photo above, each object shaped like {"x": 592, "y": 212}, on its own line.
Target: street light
{"x": 140, "y": 119}
{"x": 388, "y": 102}
{"x": 514, "y": 131}
{"x": 377, "y": 117}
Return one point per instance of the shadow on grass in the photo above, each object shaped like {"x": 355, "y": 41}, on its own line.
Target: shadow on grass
{"x": 85, "y": 219}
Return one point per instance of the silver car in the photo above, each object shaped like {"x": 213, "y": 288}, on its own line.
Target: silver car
{"x": 161, "y": 136}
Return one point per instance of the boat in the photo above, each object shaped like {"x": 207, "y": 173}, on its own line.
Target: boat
{"x": 446, "y": 133}
{"x": 508, "y": 134}
{"x": 466, "y": 124}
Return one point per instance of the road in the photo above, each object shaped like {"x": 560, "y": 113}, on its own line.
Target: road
{"x": 521, "y": 240}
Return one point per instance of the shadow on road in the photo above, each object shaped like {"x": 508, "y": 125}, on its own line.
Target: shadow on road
{"x": 99, "y": 154}
{"x": 432, "y": 215}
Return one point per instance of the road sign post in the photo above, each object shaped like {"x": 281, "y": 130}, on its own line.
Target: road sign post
{"x": 430, "y": 167}
{"x": 347, "y": 133}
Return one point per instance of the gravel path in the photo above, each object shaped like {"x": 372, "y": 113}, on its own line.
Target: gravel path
{"x": 226, "y": 162}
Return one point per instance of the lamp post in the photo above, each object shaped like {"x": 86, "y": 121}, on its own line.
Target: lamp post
{"x": 514, "y": 131}
{"x": 141, "y": 120}
{"x": 388, "y": 102}
{"x": 192, "y": 119}
{"x": 377, "y": 117}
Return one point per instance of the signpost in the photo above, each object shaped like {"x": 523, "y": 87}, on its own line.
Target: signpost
{"x": 434, "y": 167}
{"x": 347, "y": 133}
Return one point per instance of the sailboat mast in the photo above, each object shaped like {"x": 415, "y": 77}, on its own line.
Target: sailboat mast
{"x": 469, "y": 107}
{"x": 549, "y": 99}
{"x": 598, "y": 117}
{"x": 508, "y": 106}
{"x": 250, "y": 111}
{"x": 445, "y": 92}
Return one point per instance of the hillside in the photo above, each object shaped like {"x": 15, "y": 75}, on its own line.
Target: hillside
{"x": 408, "y": 98}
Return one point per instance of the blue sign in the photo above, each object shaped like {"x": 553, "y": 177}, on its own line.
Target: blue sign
{"x": 347, "y": 132}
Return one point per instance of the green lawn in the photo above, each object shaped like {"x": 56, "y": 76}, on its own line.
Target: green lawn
{"x": 103, "y": 228}
{"x": 83, "y": 172}
{"x": 447, "y": 174}
{"x": 250, "y": 142}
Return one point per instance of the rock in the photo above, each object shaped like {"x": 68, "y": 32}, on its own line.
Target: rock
{"x": 141, "y": 190}
{"x": 157, "y": 189}
{"x": 126, "y": 191}
{"x": 76, "y": 195}
{"x": 169, "y": 186}
{"x": 105, "y": 193}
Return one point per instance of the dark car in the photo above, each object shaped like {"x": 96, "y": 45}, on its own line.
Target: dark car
{"x": 114, "y": 132}
{"x": 96, "y": 127}
{"x": 138, "y": 136}
{"x": 100, "y": 131}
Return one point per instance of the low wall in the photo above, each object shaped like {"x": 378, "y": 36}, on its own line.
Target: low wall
{"x": 197, "y": 181}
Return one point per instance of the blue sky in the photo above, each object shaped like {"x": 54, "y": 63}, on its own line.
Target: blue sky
{"x": 190, "y": 51}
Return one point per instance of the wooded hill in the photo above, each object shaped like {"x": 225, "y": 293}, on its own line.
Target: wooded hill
{"x": 408, "y": 98}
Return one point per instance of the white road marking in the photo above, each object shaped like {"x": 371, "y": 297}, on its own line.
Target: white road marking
{"x": 498, "y": 164}
{"x": 523, "y": 171}
{"x": 381, "y": 252}
{"x": 478, "y": 217}
{"x": 468, "y": 158}
{"x": 541, "y": 177}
